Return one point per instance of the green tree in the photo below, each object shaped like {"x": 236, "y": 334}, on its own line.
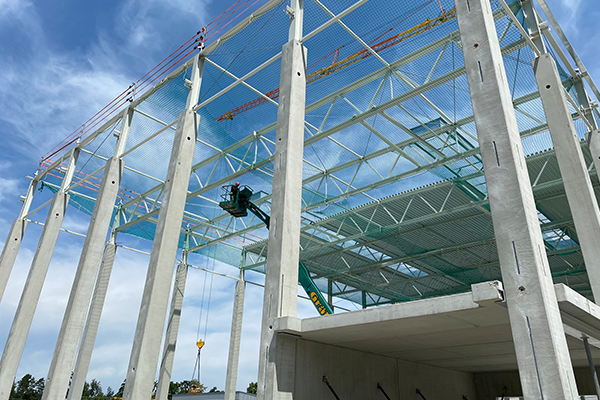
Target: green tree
{"x": 121, "y": 389}
{"x": 184, "y": 387}
{"x": 95, "y": 389}
{"x": 109, "y": 392}
{"x": 28, "y": 388}
{"x": 252, "y": 387}
{"x": 213, "y": 390}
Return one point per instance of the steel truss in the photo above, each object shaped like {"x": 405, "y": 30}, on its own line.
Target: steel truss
{"x": 356, "y": 263}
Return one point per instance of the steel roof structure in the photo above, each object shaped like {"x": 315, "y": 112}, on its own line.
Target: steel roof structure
{"x": 394, "y": 200}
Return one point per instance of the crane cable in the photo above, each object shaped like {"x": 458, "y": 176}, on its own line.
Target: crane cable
{"x": 200, "y": 342}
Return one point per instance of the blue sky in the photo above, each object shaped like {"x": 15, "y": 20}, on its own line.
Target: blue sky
{"x": 60, "y": 62}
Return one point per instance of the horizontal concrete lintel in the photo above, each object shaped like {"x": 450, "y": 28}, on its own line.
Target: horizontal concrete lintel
{"x": 482, "y": 295}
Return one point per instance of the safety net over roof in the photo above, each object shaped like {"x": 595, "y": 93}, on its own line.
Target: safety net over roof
{"x": 394, "y": 200}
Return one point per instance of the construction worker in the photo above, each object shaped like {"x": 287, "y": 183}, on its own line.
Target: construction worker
{"x": 235, "y": 190}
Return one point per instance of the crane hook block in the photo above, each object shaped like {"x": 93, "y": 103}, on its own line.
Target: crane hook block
{"x": 200, "y": 344}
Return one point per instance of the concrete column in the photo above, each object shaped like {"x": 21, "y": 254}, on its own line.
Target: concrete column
{"x": 13, "y": 241}
{"x": 235, "y": 338}
{"x": 34, "y": 283}
{"x": 276, "y": 362}
{"x": 543, "y": 357}
{"x": 73, "y": 322}
{"x": 88, "y": 339}
{"x": 166, "y": 366}
{"x": 578, "y": 186}
{"x": 593, "y": 136}
{"x": 155, "y": 299}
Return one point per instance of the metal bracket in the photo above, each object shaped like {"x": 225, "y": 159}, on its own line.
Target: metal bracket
{"x": 420, "y": 394}
{"x": 290, "y": 11}
{"x": 383, "y": 391}
{"x": 330, "y": 388}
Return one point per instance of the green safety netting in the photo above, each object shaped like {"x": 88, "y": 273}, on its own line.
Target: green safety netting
{"x": 394, "y": 197}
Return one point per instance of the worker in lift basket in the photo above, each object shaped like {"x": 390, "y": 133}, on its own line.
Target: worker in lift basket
{"x": 235, "y": 190}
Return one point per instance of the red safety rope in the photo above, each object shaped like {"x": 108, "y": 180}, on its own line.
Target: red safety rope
{"x": 195, "y": 42}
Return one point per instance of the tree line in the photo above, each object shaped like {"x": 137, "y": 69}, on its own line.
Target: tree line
{"x": 30, "y": 388}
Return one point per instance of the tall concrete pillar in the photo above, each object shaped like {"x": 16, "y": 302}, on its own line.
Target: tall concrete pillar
{"x": 153, "y": 310}
{"x": 277, "y": 353}
{"x": 235, "y": 338}
{"x": 34, "y": 283}
{"x": 88, "y": 339}
{"x": 166, "y": 365}
{"x": 576, "y": 179}
{"x": 543, "y": 357}
{"x": 593, "y": 136}
{"x": 73, "y": 322}
{"x": 584, "y": 101}
{"x": 13, "y": 241}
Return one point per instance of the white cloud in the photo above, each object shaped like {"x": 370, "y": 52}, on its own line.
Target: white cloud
{"x": 12, "y": 8}
{"x": 8, "y": 187}
{"x": 46, "y": 94}
{"x": 569, "y": 16}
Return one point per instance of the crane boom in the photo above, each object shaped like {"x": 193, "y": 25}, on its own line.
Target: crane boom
{"x": 346, "y": 62}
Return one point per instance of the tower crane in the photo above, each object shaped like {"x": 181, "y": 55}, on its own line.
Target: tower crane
{"x": 346, "y": 62}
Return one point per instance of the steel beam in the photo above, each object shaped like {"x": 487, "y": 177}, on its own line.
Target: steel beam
{"x": 321, "y": 135}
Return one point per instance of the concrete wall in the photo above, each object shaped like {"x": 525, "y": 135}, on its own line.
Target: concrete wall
{"x": 355, "y": 375}
{"x": 489, "y": 385}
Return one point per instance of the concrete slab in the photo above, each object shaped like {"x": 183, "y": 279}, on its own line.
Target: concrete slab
{"x": 453, "y": 332}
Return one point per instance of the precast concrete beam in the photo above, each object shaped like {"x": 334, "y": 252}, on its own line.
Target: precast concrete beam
{"x": 31, "y": 294}
{"x": 151, "y": 320}
{"x": 104, "y": 203}
{"x": 235, "y": 338}
{"x": 276, "y": 362}
{"x": 166, "y": 365}
{"x": 543, "y": 358}
{"x": 88, "y": 339}
{"x": 155, "y": 299}
{"x": 578, "y": 185}
{"x": 67, "y": 344}
{"x": 14, "y": 239}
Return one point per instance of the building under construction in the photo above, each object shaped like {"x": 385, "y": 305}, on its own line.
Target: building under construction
{"x": 433, "y": 162}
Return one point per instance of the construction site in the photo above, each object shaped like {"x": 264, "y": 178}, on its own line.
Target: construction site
{"x": 431, "y": 162}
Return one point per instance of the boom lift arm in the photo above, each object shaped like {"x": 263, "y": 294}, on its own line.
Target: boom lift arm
{"x": 237, "y": 203}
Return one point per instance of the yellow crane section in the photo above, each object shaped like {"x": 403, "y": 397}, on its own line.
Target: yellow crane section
{"x": 346, "y": 62}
